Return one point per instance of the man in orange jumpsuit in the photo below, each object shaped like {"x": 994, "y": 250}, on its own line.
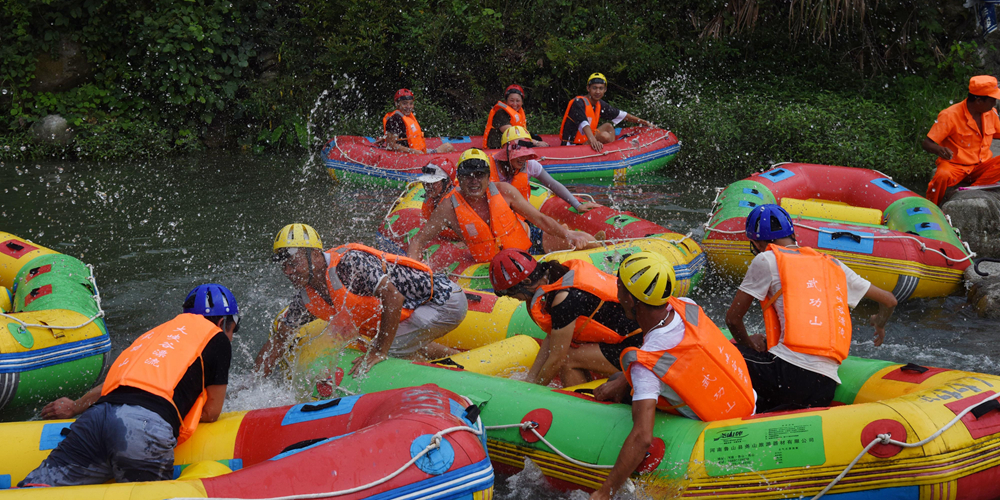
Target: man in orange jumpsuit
{"x": 961, "y": 138}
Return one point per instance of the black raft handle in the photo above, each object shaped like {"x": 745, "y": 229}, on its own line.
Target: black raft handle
{"x": 845, "y": 234}
{"x": 910, "y": 367}
{"x": 985, "y": 408}
{"x": 321, "y": 406}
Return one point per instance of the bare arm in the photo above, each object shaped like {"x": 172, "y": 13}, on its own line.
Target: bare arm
{"x": 544, "y": 222}
{"x": 63, "y": 408}
{"x": 886, "y": 305}
{"x": 559, "y": 345}
{"x": 213, "y": 406}
{"x": 633, "y": 450}
{"x": 734, "y": 320}
{"x": 441, "y": 217}
{"x": 392, "y": 309}
{"x": 595, "y": 144}
{"x": 936, "y": 149}
{"x": 273, "y": 349}
{"x": 636, "y": 119}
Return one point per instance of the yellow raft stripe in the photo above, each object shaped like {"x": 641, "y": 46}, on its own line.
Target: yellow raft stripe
{"x": 551, "y": 464}
{"x": 854, "y": 261}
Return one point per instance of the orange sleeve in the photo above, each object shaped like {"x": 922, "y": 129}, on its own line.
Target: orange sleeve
{"x": 942, "y": 127}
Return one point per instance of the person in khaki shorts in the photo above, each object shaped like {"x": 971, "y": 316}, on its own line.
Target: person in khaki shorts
{"x": 961, "y": 138}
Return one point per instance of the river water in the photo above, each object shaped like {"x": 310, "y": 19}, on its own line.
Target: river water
{"x": 155, "y": 229}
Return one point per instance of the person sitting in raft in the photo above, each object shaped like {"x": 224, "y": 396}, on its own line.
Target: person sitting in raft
{"x": 438, "y": 182}
{"x": 152, "y": 399}
{"x": 398, "y": 301}
{"x": 517, "y": 162}
{"x": 961, "y": 138}
{"x": 579, "y": 125}
{"x": 402, "y": 132}
{"x": 685, "y": 365}
{"x": 576, "y": 305}
{"x": 486, "y": 213}
{"x": 506, "y": 114}
{"x": 805, "y": 297}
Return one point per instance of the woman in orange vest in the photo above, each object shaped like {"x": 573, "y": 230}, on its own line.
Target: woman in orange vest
{"x": 506, "y": 114}
{"x": 438, "y": 182}
{"x": 155, "y": 393}
{"x": 580, "y": 121}
{"x": 808, "y": 329}
{"x": 398, "y": 302}
{"x": 577, "y": 306}
{"x": 486, "y": 215}
{"x": 402, "y": 131}
{"x": 685, "y": 365}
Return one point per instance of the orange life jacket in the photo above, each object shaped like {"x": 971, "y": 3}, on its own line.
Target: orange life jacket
{"x": 705, "y": 370}
{"x": 414, "y": 136}
{"x": 817, "y": 317}
{"x": 520, "y": 181}
{"x": 364, "y": 312}
{"x": 158, "y": 360}
{"x": 486, "y": 240}
{"x": 583, "y": 276}
{"x": 517, "y": 118}
{"x": 593, "y": 115}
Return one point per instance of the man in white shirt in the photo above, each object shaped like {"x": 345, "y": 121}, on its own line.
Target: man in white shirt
{"x": 788, "y": 377}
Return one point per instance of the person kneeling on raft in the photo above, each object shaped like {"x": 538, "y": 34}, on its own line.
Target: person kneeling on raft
{"x": 576, "y": 305}
{"x": 155, "y": 394}
{"x": 398, "y": 302}
{"x": 516, "y": 163}
{"x": 805, "y": 297}
{"x": 486, "y": 213}
{"x": 579, "y": 125}
{"x": 685, "y": 365}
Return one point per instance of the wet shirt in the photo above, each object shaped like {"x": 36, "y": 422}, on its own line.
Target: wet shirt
{"x": 578, "y": 115}
{"x": 216, "y": 356}
{"x": 395, "y": 125}
{"x": 956, "y": 130}
{"x": 580, "y": 303}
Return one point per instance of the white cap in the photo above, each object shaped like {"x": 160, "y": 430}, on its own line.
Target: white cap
{"x": 431, "y": 174}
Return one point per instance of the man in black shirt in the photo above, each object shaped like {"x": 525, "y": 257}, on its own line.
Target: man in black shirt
{"x": 128, "y": 433}
{"x": 580, "y": 123}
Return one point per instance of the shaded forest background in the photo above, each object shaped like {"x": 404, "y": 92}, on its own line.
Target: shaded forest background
{"x": 741, "y": 82}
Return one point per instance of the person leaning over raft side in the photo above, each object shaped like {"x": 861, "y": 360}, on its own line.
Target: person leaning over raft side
{"x": 573, "y": 303}
{"x": 483, "y": 213}
{"x": 805, "y": 297}
{"x": 402, "y": 131}
{"x": 579, "y": 125}
{"x": 506, "y": 114}
{"x": 398, "y": 301}
{"x": 961, "y": 138}
{"x": 155, "y": 393}
{"x": 517, "y": 162}
{"x": 685, "y": 364}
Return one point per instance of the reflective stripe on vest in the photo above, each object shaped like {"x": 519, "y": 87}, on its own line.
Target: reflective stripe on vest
{"x": 593, "y": 115}
{"x": 363, "y": 312}
{"x": 414, "y": 135}
{"x": 517, "y": 118}
{"x": 706, "y": 371}
{"x": 486, "y": 240}
{"x": 158, "y": 359}
{"x": 814, "y": 296}
{"x": 582, "y": 276}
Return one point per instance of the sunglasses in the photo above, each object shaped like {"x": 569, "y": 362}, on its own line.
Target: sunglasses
{"x": 478, "y": 174}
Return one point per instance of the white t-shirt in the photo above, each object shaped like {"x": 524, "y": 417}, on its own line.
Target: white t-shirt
{"x": 762, "y": 281}
{"x": 645, "y": 383}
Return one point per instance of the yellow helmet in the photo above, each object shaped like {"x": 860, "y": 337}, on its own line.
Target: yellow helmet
{"x": 472, "y": 160}
{"x": 297, "y": 236}
{"x": 514, "y": 134}
{"x": 648, "y": 276}
{"x": 597, "y": 78}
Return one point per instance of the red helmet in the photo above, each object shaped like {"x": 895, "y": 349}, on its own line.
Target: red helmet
{"x": 515, "y": 88}
{"x": 510, "y": 267}
{"x": 402, "y": 94}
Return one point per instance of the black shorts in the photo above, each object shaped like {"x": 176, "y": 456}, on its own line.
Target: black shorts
{"x": 613, "y": 352}
{"x": 782, "y": 386}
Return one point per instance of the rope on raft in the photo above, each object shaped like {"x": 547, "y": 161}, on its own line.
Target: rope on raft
{"x": 97, "y": 300}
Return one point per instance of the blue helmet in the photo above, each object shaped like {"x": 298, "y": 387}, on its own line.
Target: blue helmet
{"x": 211, "y": 300}
{"x": 761, "y": 220}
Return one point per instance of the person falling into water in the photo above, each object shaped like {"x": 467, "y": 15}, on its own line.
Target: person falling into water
{"x": 580, "y": 122}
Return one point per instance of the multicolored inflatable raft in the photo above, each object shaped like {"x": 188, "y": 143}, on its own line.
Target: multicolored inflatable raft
{"x": 770, "y": 456}
{"x": 637, "y": 150}
{"x": 339, "y": 445}
{"x": 53, "y": 341}
{"x": 625, "y": 234}
{"x": 886, "y": 233}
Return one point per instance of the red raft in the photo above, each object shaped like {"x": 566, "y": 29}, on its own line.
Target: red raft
{"x": 637, "y": 150}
